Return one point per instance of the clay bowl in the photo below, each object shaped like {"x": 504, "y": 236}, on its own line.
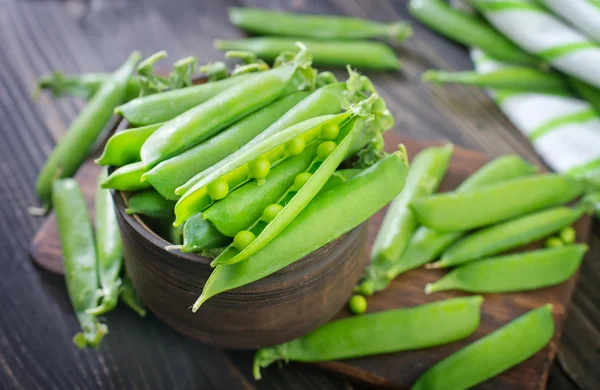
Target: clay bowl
{"x": 278, "y": 308}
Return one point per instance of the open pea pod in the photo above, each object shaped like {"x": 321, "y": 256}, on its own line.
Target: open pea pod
{"x": 214, "y": 183}
{"x": 298, "y": 197}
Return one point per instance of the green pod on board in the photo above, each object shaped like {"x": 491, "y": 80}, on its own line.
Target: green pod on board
{"x": 437, "y": 323}
{"x": 124, "y": 147}
{"x": 523, "y": 271}
{"x": 492, "y": 354}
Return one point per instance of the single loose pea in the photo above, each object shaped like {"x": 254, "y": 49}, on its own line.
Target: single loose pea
{"x": 218, "y": 189}
{"x": 330, "y": 131}
{"x": 357, "y": 304}
{"x": 325, "y": 149}
{"x": 271, "y": 212}
{"x": 554, "y": 242}
{"x": 259, "y": 168}
{"x": 301, "y": 180}
{"x": 568, "y": 235}
{"x": 242, "y": 239}
{"x": 295, "y": 146}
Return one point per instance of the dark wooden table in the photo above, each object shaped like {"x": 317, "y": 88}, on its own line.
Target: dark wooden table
{"x": 36, "y": 323}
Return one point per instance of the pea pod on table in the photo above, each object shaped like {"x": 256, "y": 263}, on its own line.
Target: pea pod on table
{"x": 515, "y": 272}
{"x": 492, "y": 354}
{"x": 177, "y": 170}
{"x": 79, "y": 259}
{"x": 426, "y": 244}
{"x": 418, "y": 327}
{"x": 75, "y": 146}
{"x": 260, "y": 21}
{"x": 211, "y": 117}
{"x": 109, "y": 249}
{"x": 164, "y": 106}
{"x": 323, "y": 220}
{"x": 426, "y": 173}
{"x": 450, "y": 212}
{"x": 124, "y": 147}
{"x": 509, "y": 235}
{"x": 306, "y": 185}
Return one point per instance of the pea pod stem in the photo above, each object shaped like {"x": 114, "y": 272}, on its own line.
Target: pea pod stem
{"x": 492, "y": 354}
{"x": 508, "y": 235}
{"x": 323, "y": 220}
{"x": 361, "y": 54}
{"x": 515, "y": 272}
{"x": 82, "y": 86}
{"x": 263, "y": 22}
{"x": 388, "y": 331}
{"x": 79, "y": 259}
{"x": 109, "y": 248}
{"x": 452, "y": 212}
{"x": 75, "y": 146}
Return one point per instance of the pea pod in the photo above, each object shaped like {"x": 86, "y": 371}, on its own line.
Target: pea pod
{"x": 79, "y": 258}
{"x": 417, "y": 327}
{"x": 164, "y": 106}
{"x": 468, "y": 30}
{"x": 426, "y": 244}
{"x": 124, "y": 147}
{"x": 109, "y": 249}
{"x": 588, "y": 92}
{"x": 452, "y": 212}
{"x": 508, "y": 235}
{"x": 127, "y": 178}
{"x": 263, "y": 22}
{"x": 209, "y": 118}
{"x": 322, "y": 221}
{"x": 151, "y": 204}
{"x": 245, "y": 205}
{"x": 298, "y": 197}
{"x": 362, "y": 54}
{"x": 131, "y": 297}
{"x": 83, "y": 86}
{"x": 75, "y": 146}
{"x": 339, "y": 177}
{"x": 177, "y": 170}
{"x": 492, "y": 354}
{"x": 515, "y": 272}
{"x": 234, "y": 170}
{"x": 200, "y": 234}
{"x": 588, "y": 173}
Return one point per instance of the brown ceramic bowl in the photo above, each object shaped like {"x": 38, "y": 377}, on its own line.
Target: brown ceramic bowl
{"x": 278, "y": 308}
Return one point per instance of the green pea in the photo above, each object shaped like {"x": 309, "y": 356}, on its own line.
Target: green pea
{"x": 295, "y": 146}
{"x": 301, "y": 180}
{"x": 259, "y": 168}
{"x": 242, "y": 239}
{"x": 330, "y": 131}
{"x": 325, "y": 149}
{"x": 554, "y": 242}
{"x": 218, "y": 189}
{"x": 568, "y": 235}
{"x": 357, "y": 304}
{"x": 271, "y": 212}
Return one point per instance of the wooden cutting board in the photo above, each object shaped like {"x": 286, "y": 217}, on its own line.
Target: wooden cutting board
{"x": 402, "y": 369}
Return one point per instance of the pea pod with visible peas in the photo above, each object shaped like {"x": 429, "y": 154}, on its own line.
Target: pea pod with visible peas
{"x": 75, "y": 146}
{"x": 323, "y": 220}
{"x": 426, "y": 244}
{"x": 164, "y": 106}
{"x": 306, "y": 185}
{"x": 109, "y": 249}
{"x": 177, "y": 170}
{"x": 124, "y": 147}
{"x": 417, "y": 327}
{"x": 79, "y": 258}
{"x": 450, "y": 212}
{"x": 508, "y": 235}
{"x": 260, "y": 21}
{"x": 515, "y": 272}
{"x": 150, "y": 203}
{"x": 492, "y": 354}
{"x": 211, "y": 117}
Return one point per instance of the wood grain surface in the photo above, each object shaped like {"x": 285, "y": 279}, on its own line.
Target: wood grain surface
{"x": 36, "y": 325}
{"x": 399, "y": 369}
